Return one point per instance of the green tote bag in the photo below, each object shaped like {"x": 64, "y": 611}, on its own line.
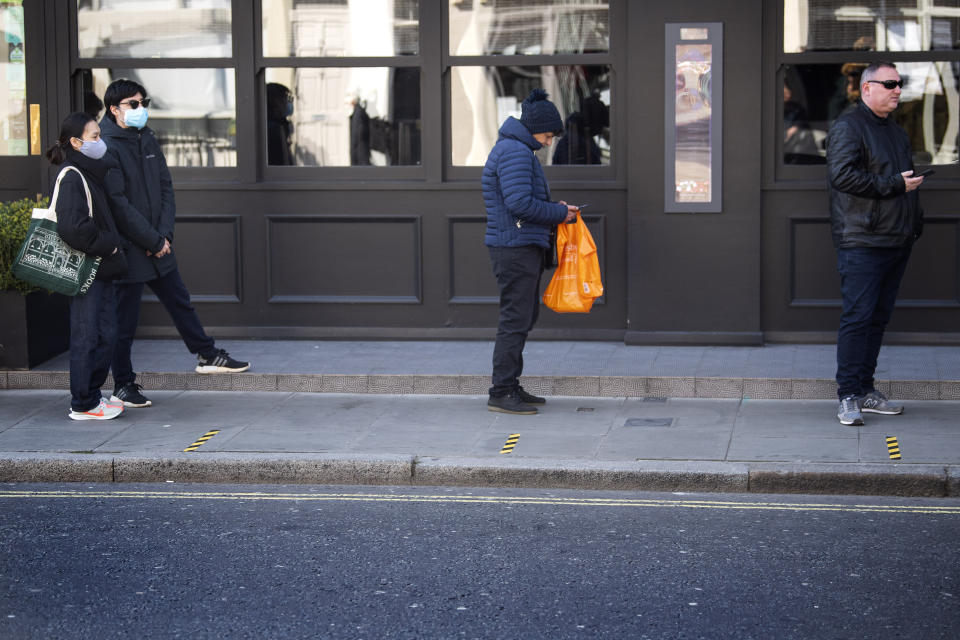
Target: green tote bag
{"x": 46, "y": 260}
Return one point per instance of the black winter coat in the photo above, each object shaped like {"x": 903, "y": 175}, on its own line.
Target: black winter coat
{"x": 141, "y": 196}
{"x": 869, "y": 206}
{"x": 97, "y": 236}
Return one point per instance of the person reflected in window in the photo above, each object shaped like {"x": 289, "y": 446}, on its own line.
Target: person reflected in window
{"x": 359, "y": 133}
{"x": 279, "y": 127}
{"x": 92, "y": 105}
{"x": 799, "y": 146}
{"x": 576, "y": 146}
{"x": 847, "y": 92}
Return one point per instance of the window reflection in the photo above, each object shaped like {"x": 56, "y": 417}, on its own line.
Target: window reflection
{"x": 341, "y": 117}
{"x": 154, "y": 29}
{"x": 694, "y": 118}
{"x": 929, "y": 108}
{"x": 14, "y": 132}
{"x": 878, "y": 25}
{"x": 528, "y": 27}
{"x": 483, "y": 97}
{"x": 322, "y": 28}
{"x": 192, "y": 112}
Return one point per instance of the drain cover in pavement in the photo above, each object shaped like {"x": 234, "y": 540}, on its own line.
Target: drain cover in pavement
{"x": 654, "y": 399}
{"x": 648, "y": 422}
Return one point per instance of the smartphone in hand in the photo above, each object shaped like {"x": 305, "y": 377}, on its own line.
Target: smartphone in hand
{"x": 924, "y": 173}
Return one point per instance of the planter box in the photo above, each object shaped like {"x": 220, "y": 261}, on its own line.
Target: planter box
{"x": 33, "y": 328}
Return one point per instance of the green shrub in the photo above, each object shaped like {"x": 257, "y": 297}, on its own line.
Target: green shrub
{"x": 14, "y": 223}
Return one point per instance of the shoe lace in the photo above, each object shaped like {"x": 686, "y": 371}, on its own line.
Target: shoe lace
{"x": 849, "y": 404}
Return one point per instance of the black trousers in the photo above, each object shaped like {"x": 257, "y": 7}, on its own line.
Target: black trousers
{"x": 869, "y": 281}
{"x": 173, "y": 295}
{"x": 93, "y": 335}
{"x": 518, "y": 271}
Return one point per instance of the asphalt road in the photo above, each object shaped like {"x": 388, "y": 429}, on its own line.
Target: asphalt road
{"x": 201, "y": 561}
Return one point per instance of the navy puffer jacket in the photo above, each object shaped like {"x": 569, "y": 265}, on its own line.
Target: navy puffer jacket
{"x": 515, "y": 192}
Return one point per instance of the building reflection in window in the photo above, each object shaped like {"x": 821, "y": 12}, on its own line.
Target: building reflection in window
{"x": 528, "y": 27}
{"x": 349, "y": 116}
{"x": 483, "y": 97}
{"x": 152, "y": 29}
{"x": 334, "y": 28}
{"x": 879, "y": 25}
{"x": 192, "y": 113}
{"x": 694, "y": 118}
{"x": 929, "y": 105}
{"x": 14, "y": 132}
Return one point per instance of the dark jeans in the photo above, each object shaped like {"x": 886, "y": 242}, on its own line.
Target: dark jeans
{"x": 93, "y": 335}
{"x": 175, "y": 299}
{"x": 869, "y": 281}
{"x": 518, "y": 271}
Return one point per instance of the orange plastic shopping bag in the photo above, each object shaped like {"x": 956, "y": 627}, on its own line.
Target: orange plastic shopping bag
{"x": 576, "y": 282}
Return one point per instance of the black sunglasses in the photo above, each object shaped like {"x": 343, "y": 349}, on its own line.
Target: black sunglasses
{"x": 888, "y": 84}
{"x": 135, "y": 104}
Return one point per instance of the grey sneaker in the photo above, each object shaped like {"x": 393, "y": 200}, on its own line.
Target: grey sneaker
{"x": 876, "y": 402}
{"x": 849, "y": 412}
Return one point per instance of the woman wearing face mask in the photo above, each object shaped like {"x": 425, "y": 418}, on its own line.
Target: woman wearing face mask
{"x": 93, "y": 317}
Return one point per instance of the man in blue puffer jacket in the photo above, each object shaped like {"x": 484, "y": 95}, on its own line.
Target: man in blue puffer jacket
{"x": 520, "y": 219}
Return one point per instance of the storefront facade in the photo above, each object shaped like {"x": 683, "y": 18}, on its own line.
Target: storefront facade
{"x": 326, "y": 155}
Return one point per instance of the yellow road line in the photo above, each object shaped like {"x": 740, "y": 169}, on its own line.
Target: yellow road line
{"x": 503, "y": 500}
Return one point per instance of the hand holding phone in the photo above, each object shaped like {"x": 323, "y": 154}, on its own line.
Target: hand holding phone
{"x": 924, "y": 173}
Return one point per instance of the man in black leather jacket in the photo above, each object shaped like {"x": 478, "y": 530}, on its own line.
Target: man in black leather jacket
{"x": 875, "y": 217}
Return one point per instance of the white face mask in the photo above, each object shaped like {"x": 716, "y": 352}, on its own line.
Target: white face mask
{"x": 93, "y": 149}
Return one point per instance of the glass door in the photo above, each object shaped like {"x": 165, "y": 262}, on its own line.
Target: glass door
{"x": 21, "y": 107}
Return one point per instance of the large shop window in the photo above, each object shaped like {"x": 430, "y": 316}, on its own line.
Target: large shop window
{"x": 323, "y": 111}
{"x": 827, "y": 45}
{"x": 525, "y": 27}
{"x": 483, "y": 97}
{"x": 154, "y": 29}
{"x": 343, "y": 116}
{"x": 192, "y": 111}
{"x": 182, "y": 53}
{"x": 14, "y": 131}
{"x": 340, "y": 28}
{"x": 500, "y": 51}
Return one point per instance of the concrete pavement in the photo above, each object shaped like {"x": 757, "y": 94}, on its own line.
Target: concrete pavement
{"x": 614, "y": 420}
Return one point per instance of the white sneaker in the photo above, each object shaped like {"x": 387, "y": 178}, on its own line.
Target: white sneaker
{"x": 103, "y": 411}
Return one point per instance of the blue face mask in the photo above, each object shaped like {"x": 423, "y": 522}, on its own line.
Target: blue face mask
{"x": 135, "y": 118}
{"x": 289, "y": 109}
{"x": 93, "y": 149}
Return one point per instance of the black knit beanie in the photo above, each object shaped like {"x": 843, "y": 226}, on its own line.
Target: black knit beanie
{"x": 539, "y": 115}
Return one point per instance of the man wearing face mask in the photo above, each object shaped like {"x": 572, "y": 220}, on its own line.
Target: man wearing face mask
{"x": 141, "y": 197}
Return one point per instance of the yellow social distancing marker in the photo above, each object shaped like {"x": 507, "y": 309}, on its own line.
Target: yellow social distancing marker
{"x": 201, "y": 440}
{"x": 510, "y": 443}
{"x": 893, "y": 447}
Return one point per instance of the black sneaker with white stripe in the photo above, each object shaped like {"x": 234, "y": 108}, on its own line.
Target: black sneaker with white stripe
{"x": 129, "y": 394}
{"x": 220, "y": 362}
